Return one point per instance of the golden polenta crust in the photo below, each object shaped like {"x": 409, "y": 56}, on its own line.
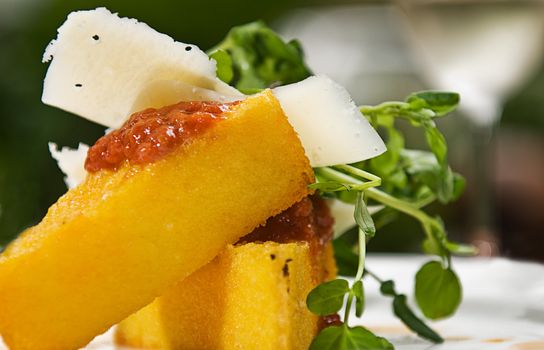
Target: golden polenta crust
{"x": 251, "y": 296}
{"x": 110, "y": 246}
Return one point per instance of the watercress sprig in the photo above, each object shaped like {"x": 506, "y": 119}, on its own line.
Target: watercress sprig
{"x": 252, "y": 57}
{"x": 420, "y": 109}
{"x": 409, "y": 180}
{"x": 328, "y": 298}
{"x": 402, "y": 310}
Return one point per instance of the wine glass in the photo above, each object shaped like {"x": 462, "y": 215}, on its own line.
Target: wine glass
{"x": 485, "y": 50}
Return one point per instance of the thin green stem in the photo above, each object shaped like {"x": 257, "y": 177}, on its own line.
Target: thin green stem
{"x": 397, "y": 204}
{"x": 364, "y": 186}
{"x": 403, "y": 207}
{"x": 377, "y": 108}
{"x": 359, "y": 275}
{"x": 382, "y": 197}
{"x": 373, "y": 275}
{"x": 336, "y": 175}
{"x": 362, "y": 255}
{"x": 348, "y": 308}
{"x": 374, "y": 181}
{"x": 358, "y": 172}
{"x": 425, "y": 201}
{"x": 352, "y": 183}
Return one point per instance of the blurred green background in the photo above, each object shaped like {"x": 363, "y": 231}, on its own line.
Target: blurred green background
{"x": 30, "y": 180}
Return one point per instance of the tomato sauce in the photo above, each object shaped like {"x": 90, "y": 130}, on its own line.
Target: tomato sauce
{"x": 308, "y": 220}
{"x": 152, "y": 133}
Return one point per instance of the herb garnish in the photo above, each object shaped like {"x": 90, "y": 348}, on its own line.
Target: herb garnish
{"x": 252, "y": 57}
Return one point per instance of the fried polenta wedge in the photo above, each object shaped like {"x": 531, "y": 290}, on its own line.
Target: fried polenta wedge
{"x": 252, "y": 296}
{"x": 252, "y": 282}
{"x": 111, "y": 245}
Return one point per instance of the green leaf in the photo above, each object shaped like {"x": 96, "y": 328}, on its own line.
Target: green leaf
{"x": 437, "y": 290}
{"x": 437, "y": 143}
{"x": 261, "y": 59}
{"x": 407, "y": 316}
{"x": 446, "y": 188}
{"x": 327, "y": 298}
{"x": 346, "y": 259}
{"x": 441, "y": 103}
{"x": 224, "y": 65}
{"x": 398, "y": 179}
{"x": 359, "y": 294}
{"x": 387, "y": 162}
{"x": 362, "y": 216}
{"x": 423, "y": 168}
{"x": 346, "y": 338}
{"x": 418, "y": 161}
{"x": 388, "y": 288}
{"x": 459, "y": 184}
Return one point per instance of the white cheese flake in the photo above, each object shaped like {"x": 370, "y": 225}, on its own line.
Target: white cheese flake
{"x": 71, "y": 162}
{"x": 329, "y": 124}
{"x": 100, "y": 64}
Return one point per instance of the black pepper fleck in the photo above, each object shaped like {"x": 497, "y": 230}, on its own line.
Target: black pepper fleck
{"x": 96, "y": 37}
{"x": 272, "y": 256}
{"x": 188, "y": 48}
{"x": 78, "y": 85}
{"x": 285, "y": 270}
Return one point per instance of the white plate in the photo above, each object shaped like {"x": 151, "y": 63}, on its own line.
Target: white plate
{"x": 502, "y": 308}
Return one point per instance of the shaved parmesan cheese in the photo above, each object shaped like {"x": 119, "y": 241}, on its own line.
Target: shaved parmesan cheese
{"x": 71, "y": 162}
{"x": 329, "y": 124}
{"x": 101, "y": 63}
{"x": 104, "y": 68}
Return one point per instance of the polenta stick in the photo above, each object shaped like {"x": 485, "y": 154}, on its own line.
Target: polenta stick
{"x": 111, "y": 245}
{"x": 251, "y": 296}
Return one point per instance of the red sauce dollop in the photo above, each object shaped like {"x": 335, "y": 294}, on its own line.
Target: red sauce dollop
{"x": 308, "y": 220}
{"x": 152, "y": 133}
